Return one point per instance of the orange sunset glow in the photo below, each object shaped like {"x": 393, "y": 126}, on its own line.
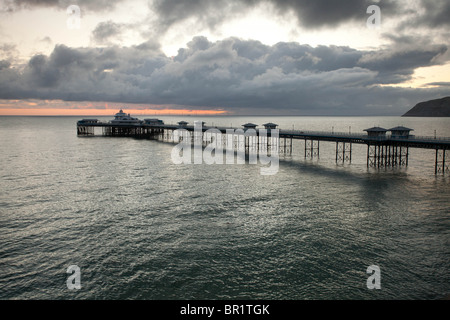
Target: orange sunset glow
{"x": 98, "y": 112}
{"x": 32, "y": 108}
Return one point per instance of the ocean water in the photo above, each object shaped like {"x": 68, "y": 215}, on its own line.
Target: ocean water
{"x": 139, "y": 226}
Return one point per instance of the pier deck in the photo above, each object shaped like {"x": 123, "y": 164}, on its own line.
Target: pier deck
{"x": 383, "y": 150}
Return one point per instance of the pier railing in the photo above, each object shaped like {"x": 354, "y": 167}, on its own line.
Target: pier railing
{"x": 356, "y": 136}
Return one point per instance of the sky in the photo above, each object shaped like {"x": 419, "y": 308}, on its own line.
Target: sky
{"x": 222, "y": 57}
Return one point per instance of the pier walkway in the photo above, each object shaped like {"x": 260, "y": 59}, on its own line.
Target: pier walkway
{"x": 383, "y": 149}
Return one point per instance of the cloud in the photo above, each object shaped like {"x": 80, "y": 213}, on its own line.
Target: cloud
{"x": 97, "y": 5}
{"x": 309, "y": 14}
{"x": 403, "y": 21}
{"x": 46, "y": 40}
{"x": 234, "y": 74}
{"x": 441, "y": 84}
{"x": 436, "y": 13}
{"x": 397, "y": 64}
{"x": 320, "y": 13}
{"x": 207, "y": 13}
{"x": 8, "y": 51}
{"x": 104, "y": 31}
{"x": 423, "y": 21}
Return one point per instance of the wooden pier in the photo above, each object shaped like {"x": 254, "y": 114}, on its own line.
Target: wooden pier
{"x": 385, "y": 148}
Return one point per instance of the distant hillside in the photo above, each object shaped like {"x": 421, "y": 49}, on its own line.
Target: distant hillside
{"x": 432, "y": 108}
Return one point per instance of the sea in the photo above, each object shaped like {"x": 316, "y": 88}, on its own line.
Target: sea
{"x": 102, "y": 218}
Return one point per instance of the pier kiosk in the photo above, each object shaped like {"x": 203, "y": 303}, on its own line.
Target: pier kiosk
{"x": 400, "y": 132}
{"x": 270, "y": 125}
{"x": 249, "y": 126}
{"x": 384, "y": 151}
{"x": 376, "y": 132}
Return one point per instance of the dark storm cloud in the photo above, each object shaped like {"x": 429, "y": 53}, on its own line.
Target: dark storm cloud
{"x": 416, "y": 21}
{"x": 397, "y": 64}
{"x": 437, "y": 13}
{"x": 309, "y": 14}
{"x": 234, "y": 74}
{"x": 319, "y": 13}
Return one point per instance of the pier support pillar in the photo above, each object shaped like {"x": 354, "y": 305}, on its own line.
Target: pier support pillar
{"x": 344, "y": 151}
{"x": 311, "y": 148}
{"x": 285, "y": 146}
{"x": 440, "y": 165}
{"x": 387, "y": 155}
{"x": 85, "y": 130}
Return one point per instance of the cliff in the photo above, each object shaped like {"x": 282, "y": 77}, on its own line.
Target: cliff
{"x": 432, "y": 108}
